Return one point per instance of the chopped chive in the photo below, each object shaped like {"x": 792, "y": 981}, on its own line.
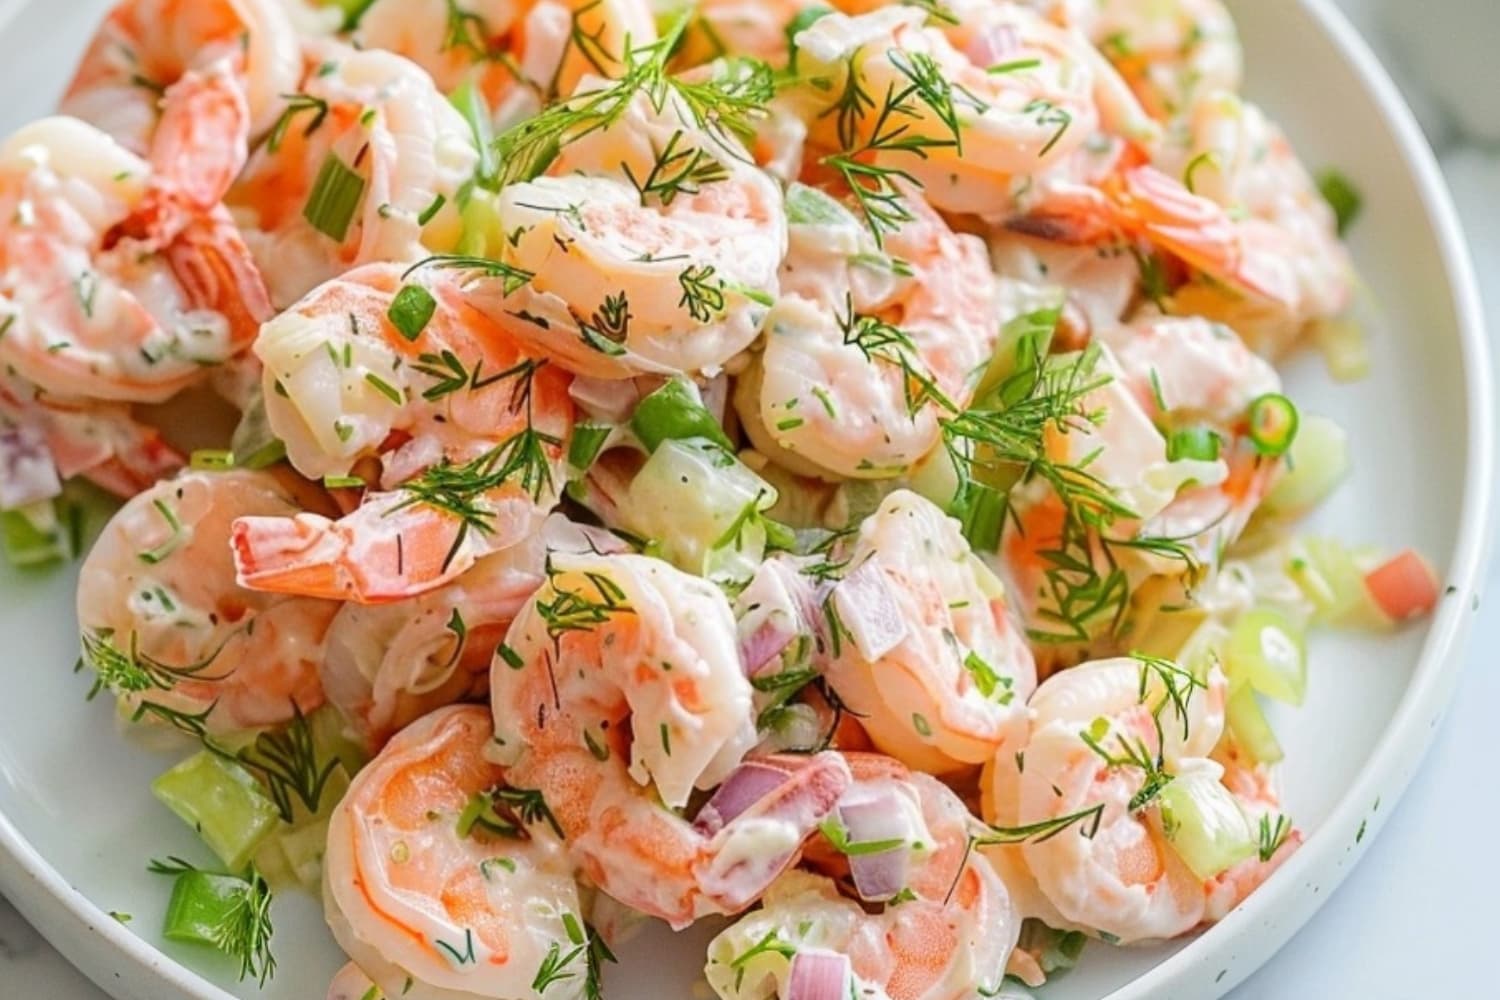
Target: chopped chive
{"x": 511, "y": 657}
{"x": 411, "y": 311}
{"x": 206, "y": 460}
{"x": 385, "y": 388}
{"x": 1342, "y": 196}
{"x": 790, "y": 424}
{"x": 343, "y": 482}
{"x": 166, "y": 548}
{"x": 1200, "y": 443}
{"x": 588, "y": 440}
{"x": 430, "y": 212}
{"x": 335, "y": 198}
{"x": 1014, "y": 66}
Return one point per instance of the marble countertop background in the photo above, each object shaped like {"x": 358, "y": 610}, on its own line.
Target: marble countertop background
{"x": 1417, "y": 918}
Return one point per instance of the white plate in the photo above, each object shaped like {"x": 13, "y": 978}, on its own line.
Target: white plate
{"x": 78, "y": 824}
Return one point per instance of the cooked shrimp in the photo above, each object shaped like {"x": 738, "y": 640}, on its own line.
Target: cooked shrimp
{"x": 857, "y": 371}
{"x": 1122, "y": 877}
{"x": 980, "y": 130}
{"x": 1280, "y": 254}
{"x": 1256, "y": 788}
{"x": 217, "y": 67}
{"x": 948, "y": 940}
{"x": 622, "y": 280}
{"x": 617, "y": 693}
{"x": 1169, "y": 52}
{"x": 469, "y": 434}
{"x": 167, "y": 630}
{"x": 553, "y": 43}
{"x": 116, "y": 325}
{"x": 926, "y": 655}
{"x": 374, "y": 127}
{"x": 431, "y": 911}
{"x": 390, "y": 664}
{"x": 103, "y": 442}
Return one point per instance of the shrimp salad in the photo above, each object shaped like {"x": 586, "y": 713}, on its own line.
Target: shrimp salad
{"x": 818, "y": 470}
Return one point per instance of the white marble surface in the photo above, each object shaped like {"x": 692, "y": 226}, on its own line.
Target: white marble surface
{"x": 1417, "y": 918}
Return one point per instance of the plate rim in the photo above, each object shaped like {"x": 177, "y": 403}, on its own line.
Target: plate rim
{"x": 76, "y": 925}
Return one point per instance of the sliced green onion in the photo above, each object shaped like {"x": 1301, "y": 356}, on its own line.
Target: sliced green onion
{"x": 1317, "y": 462}
{"x": 411, "y": 310}
{"x": 808, "y": 206}
{"x": 981, "y": 511}
{"x": 434, "y": 207}
{"x": 1055, "y": 950}
{"x": 1199, "y": 443}
{"x": 254, "y": 444}
{"x": 588, "y": 441}
{"x": 1273, "y": 424}
{"x": 206, "y": 460}
{"x": 1252, "y": 732}
{"x": 222, "y": 802}
{"x": 1023, "y": 342}
{"x": 471, "y": 103}
{"x": 335, "y": 198}
{"x": 676, "y": 413}
{"x": 1204, "y": 824}
{"x": 165, "y": 549}
{"x": 1342, "y": 196}
{"x": 1265, "y": 650}
{"x": 33, "y": 536}
{"x": 343, "y": 483}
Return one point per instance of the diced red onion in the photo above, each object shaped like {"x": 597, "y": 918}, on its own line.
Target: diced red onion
{"x": 27, "y": 473}
{"x": 769, "y": 639}
{"x": 778, "y": 605}
{"x": 877, "y": 877}
{"x": 819, "y": 975}
{"x": 748, "y": 784}
{"x": 870, "y": 612}
{"x": 612, "y": 400}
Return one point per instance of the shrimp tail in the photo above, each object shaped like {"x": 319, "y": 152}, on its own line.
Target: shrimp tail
{"x": 198, "y": 148}
{"x": 215, "y": 268}
{"x": 385, "y": 551}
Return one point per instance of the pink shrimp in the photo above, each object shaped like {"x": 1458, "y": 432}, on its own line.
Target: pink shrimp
{"x": 469, "y": 433}
{"x": 618, "y": 692}
{"x": 216, "y": 66}
{"x": 167, "y": 630}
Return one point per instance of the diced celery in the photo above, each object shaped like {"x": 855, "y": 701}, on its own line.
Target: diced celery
{"x": 33, "y": 536}
{"x": 483, "y": 233}
{"x": 703, "y": 505}
{"x": 1265, "y": 650}
{"x": 1252, "y": 732}
{"x": 1204, "y": 824}
{"x": 202, "y": 905}
{"x": 222, "y": 801}
{"x": 936, "y": 477}
{"x": 255, "y": 445}
{"x": 1022, "y": 341}
{"x": 1329, "y": 573}
{"x": 1317, "y": 462}
{"x": 1345, "y": 348}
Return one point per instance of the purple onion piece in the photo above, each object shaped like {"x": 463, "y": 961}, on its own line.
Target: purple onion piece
{"x": 746, "y": 785}
{"x": 870, "y": 612}
{"x": 819, "y": 975}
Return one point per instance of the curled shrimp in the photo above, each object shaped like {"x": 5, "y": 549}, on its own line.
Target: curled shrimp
{"x": 167, "y": 630}
{"x": 925, "y": 653}
{"x": 1170, "y": 53}
{"x": 1256, "y": 788}
{"x": 858, "y": 367}
{"x": 617, "y": 693}
{"x": 947, "y": 938}
{"x": 1107, "y": 735}
{"x": 468, "y": 433}
{"x": 118, "y": 325}
{"x": 433, "y": 911}
{"x": 403, "y": 149}
{"x": 217, "y": 68}
{"x": 1002, "y": 96}
{"x": 387, "y": 665}
{"x": 651, "y": 247}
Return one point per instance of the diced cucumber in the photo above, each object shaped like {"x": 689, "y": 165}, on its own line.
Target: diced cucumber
{"x": 1266, "y": 650}
{"x": 807, "y": 206}
{"x": 1204, "y": 824}
{"x": 222, "y": 802}
{"x": 202, "y": 905}
{"x": 675, "y": 412}
{"x": 1251, "y": 730}
{"x": 1318, "y": 461}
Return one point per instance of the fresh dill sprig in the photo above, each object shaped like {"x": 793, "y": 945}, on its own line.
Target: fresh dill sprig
{"x": 1177, "y": 687}
{"x": 296, "y": 105}
{"x": 286, "y": 761}
{"x": 513, "y": 278}
{"x": 584, "y": 609}
{"x": 1135, "y": 754}
{"x": 724, "y": 105}
{"x": 243, "y": 931}
{"x": 1271, "y": 835}
{"x": 882, "y": 342}
{"x": 679, "y": 168}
